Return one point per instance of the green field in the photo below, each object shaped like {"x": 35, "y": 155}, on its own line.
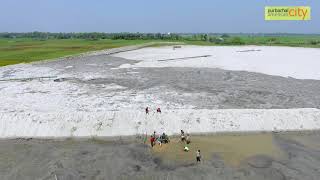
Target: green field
{"x": 13, "y": 51}
{"x": 293, "y": 41}
{"x": 18, "y": 50}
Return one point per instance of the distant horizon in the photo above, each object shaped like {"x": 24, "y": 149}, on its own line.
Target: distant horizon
{"x": 218, "y": 33}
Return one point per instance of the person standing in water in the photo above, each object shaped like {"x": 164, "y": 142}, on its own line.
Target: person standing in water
{"x": 188, "y": 140}
{"x": 198, "y": 156}
{"x": 152, "y": 140}
{"x": 183, "y": 138}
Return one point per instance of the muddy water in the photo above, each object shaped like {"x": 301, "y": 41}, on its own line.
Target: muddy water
{"x": 232, "y": 148}
{"x": 243, "y": 157}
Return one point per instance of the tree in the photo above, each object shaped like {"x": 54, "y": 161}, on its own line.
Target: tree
{"x": 237, "y": 41}
{"x": 225, "y": 36}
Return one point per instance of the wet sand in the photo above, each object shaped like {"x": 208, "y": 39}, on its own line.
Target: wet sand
{"x": 232, "y": 148}
{"x": 278, "y": 156}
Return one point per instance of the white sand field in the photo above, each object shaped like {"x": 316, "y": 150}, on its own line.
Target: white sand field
{"x": 300, "y": 63}
{"x": 39, "y": 107}
{"x": 122, "y": 123}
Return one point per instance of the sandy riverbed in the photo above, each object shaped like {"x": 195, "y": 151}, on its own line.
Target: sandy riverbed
{"x": 300, "y": 63}
{"x": 93, "y": 95}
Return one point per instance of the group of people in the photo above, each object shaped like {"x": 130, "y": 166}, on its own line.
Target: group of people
{"x": 186, "y": 139}
{"x": 148, "y": 110}
{"x": 163, "y": 138}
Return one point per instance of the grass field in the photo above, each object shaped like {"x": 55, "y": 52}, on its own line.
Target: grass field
{"x": 293, "y": 41}
{"x": 13, "y": 51}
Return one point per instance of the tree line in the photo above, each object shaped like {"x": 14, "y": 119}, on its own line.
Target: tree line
{"x": 223, "y": 39}
{"x": 120, "y": 36}
{"x": 93, "y": 36}
{"x": 115, "y": 36}
{"x": 217, "y": 39}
